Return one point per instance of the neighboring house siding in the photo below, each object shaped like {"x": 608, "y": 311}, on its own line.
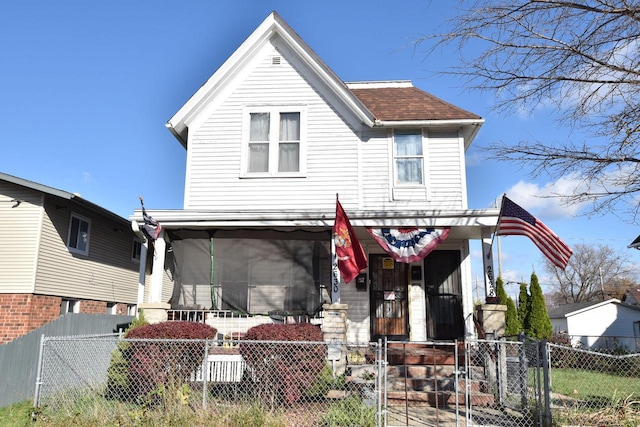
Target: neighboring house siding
{"x": 609, "y": 320}
{"x": 213, "y": 178}
{"x": 19, "y": 230}
{"x": 105, "y": 274}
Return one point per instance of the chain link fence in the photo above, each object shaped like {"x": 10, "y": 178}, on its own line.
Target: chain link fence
{"x": 594, "y": 387}
{"x": 283, "y": 383}
{"x": 504, "y": 383}
{"x": 208, "y": 382}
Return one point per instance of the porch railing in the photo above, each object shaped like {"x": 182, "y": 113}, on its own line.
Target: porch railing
{"x": 232, "y": 325}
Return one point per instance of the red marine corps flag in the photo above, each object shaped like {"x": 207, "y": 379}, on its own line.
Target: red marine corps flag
{"x": 350, "y": 256}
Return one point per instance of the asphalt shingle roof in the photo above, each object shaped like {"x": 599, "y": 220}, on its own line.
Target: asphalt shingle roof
{"x": 409, "y": 103}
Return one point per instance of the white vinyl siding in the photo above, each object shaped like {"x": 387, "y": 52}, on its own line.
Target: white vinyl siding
{"x": 19, "y": 231}
{"x": 215, "y": 156}
{"x": 341, "y": 156}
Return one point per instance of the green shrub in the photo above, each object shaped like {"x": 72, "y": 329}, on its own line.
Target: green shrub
{"x": 350, "y": 412}
{"x": 117, "y": 374}
{"x": 281, "y": 371}
{"x": 157, "y": 357}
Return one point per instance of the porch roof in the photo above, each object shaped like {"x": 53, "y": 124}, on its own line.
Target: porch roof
{"x": 464, "y": 223}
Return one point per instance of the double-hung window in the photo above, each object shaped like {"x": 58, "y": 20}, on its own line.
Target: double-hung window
{"x": 78, "y": 239}
{"x": 275, "y": 142}
{"x": 408, "y": 158}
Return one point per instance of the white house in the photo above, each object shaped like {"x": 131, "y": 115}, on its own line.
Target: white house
{"x": 599, "y": 324}
{"x": 272, "y": 137}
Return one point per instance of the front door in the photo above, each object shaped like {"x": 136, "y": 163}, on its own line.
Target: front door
{"x": 443, "y": 283}
{"x": 389, "y": 315}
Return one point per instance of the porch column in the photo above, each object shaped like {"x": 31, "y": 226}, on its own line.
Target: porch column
{"x": 142, "y": 271}
{"x": 487, "y": 262}
{"x": 334, "y": 328}
{"x": 142, "y": 274}
{"x": 155, "y": 310}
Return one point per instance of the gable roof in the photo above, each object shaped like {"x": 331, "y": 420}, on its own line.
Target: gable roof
{"x": 383, "y": 104}
{"x": 272, "y": 26}
{"x": 579, "y": 307}
{"x": 60, "y": 194}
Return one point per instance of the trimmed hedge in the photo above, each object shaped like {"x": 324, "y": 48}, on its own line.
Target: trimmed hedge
{"x": 283, "y": 372}
{"x": 163, "y": 354}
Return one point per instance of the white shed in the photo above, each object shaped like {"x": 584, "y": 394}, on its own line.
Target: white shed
{"x": 599, "y": 324}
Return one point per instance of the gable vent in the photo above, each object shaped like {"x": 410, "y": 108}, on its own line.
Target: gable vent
{"x": 276, "y": 60}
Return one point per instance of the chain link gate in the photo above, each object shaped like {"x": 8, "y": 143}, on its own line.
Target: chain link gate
{"x": 505, "y": 383}
{"x": 470, "y": 383}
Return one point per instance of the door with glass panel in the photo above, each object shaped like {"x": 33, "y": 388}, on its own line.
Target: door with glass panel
{"x": 389, "y": 315}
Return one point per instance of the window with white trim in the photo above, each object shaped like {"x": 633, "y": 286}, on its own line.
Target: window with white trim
{"x": 78, "y": 239}
{"x": 112, "y": 308}
{"x": 408, "y": 158}
{"x": 69, "y": 306}
{"x": 132, "y": 309}
{"x": 275, "y": 142}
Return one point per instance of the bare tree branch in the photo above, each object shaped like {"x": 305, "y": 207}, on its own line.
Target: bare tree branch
{"x": 583, "y": 58}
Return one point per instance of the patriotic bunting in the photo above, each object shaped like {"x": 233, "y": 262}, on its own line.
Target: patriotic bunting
{"x": 409, "y": 244}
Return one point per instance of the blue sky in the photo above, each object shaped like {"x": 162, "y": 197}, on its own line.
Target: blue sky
{"x": 87, "y": 87}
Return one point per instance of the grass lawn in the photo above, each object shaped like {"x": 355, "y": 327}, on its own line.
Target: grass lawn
{"x": 17, "y": 415}
{"x": 582, "y": 384}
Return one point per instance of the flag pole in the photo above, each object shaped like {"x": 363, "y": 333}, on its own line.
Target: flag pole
{"x": 496, "y": 235}
{"x": 335, "y": 272}
{"x": 499, "y": 217}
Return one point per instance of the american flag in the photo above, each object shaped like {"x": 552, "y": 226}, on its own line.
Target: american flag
{"x": 515, "y": 221}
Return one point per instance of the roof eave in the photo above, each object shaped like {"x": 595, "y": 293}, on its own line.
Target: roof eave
{"x": 178, "y": 124}
{"x": 470, "y": 127}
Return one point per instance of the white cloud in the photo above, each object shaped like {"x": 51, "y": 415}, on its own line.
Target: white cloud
{"x": 546, "y": 198}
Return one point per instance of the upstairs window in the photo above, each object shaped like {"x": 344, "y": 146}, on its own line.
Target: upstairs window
{"x": 408, "y": 157}
{"x": 275, "y": 144}
{"x": 136, "y": 250}
{"x": 78, "y": 240}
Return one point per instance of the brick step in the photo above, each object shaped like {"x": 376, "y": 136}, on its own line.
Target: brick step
{"x": 430, "y": 384}
{"x": 418, "y": 354}
{"x": 439, "y": 399}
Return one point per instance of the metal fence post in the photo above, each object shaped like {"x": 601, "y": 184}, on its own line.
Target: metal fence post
{"x": 522, "y": 371}
{"x": 36, "y": 396}
{"x": 205, "y": 373}
{"x": 546, "y": 388}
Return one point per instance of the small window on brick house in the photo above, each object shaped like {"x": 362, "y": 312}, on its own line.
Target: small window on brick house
{"x": 112, "y": 308}
{"x": 69, "y": 306}
{"x": 132, "y": 309}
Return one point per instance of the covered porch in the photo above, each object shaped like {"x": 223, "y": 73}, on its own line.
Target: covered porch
{"x": 236, "y": 270}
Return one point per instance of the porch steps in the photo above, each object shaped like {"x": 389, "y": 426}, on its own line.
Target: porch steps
{"x": 426, "y": 374}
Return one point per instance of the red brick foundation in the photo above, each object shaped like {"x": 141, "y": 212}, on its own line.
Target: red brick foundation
{"x": 22, "y": 313}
